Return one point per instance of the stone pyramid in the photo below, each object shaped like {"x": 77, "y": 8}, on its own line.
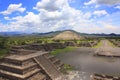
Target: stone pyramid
{"x": 34, "y": 65}
{"x": 68, "y": 35}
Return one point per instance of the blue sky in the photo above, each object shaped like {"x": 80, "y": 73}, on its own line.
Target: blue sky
{"x": 85, "y": 16}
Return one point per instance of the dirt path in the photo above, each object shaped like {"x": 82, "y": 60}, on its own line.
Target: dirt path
{"x": 105, "y": 43}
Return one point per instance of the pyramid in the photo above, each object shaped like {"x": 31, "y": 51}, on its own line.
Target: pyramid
{"x": 68, "y": 35}
{"x": 34, "y": 65}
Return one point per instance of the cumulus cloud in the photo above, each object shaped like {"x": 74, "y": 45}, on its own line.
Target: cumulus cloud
{"x": 50, "y": 5}
{"x": 100, "y": 12}
{"x": 90, "y": 2}
{"x": 13, "y": 8}
{"x": 106, "y": 2}
{"x": 7, "y": 18}
{"x": 56, "y": 15}
{"x": 117, "y": 7}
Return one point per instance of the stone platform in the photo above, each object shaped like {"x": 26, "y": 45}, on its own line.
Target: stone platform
{"x": 111, "y": 52}
{"x": 30, "y": 66}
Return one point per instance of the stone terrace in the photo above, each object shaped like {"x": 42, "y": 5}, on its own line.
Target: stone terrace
{"x": 25, "y": 64}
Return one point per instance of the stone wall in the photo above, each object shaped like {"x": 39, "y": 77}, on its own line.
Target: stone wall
{"x": 103, "y": 77}
{"x": 70, "y": 43}
{"x": 36, "y": 47}
{"x": 85, "y": 44}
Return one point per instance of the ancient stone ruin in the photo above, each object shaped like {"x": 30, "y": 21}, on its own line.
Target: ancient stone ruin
{"x": 70, "y": 43}
{"x": 26, "y": 64}
{"x": 103, "y": 77}
{"x": 115, "y": 42}
{"x": 85, "y": 44}
{"x": 68, "y": 35}
{"x": 40, "y": 47}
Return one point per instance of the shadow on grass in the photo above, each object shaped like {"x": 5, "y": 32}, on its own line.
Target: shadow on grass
{"x": 67, "y": 49}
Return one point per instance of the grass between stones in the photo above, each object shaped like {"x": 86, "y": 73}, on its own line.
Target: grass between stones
{"x": 111, "y": 44}
{"x": 67, "y": 49}
{"x": 66, "y": 68}
{"x": 98, "y": 45}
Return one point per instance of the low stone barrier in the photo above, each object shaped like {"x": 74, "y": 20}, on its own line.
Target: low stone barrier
{"x": 70, "y": 43}
{"x": 103, "y": 77}
{"x": 37, "y": 47}
{"x": 84, "y": 44}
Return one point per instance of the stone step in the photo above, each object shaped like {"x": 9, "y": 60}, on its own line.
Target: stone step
{"x": 17, "y": 69}
{"x": 52, "y": 59}
{"x": 19, "y": 47}
{"x": 59, "y": 65}
{"x": 49, "y": 56}
{"x": 38, "y": 76}
{"x": 22, "y": 51}
{"x": 14, "y": 76}
{"x": 12, "y": 61}
{"x": 17, "y": 62}
{"x": 48, "y": 67}
{"x": 25, "y": 57}
{"x": 55, "y": 61}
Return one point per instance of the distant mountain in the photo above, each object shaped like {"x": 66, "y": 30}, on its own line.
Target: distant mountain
{"x": 107, "y": 35}
{"x": 54, "y": 33}
{"x": 10, "y": 33}
{"x": 48, "y": 34}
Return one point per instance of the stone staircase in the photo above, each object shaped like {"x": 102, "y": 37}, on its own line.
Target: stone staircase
{"x": 58, "y": 64}
{"x": 14, "y": 68}
{"x": 50, "y": 69}
{"x": 33, "y": 66}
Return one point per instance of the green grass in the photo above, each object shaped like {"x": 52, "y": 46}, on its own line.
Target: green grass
{"x": 3, "y": 52}
{"x": 66, "y": 68}
{"x": 98, "y": 45}
{"x": 111, "y": 44}
{"x": 67, "y": 49}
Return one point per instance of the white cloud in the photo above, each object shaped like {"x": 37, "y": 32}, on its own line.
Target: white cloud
{"x": 7, "y": 18}
{"x": 100, "y": 12}
{"x": 50, "y": 5}
{"x": 99, "y": 27}
{"x": 90, "y": 2}
{"x": 96, "y": 6}
{"x": 13, "y": 8}
{"x": 56, "y": 16}
{"x": 118, "y": 7}
{"x": 106, "y": 2}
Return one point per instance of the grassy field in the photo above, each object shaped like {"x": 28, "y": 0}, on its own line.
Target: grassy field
{"x": 67, "y": 49}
